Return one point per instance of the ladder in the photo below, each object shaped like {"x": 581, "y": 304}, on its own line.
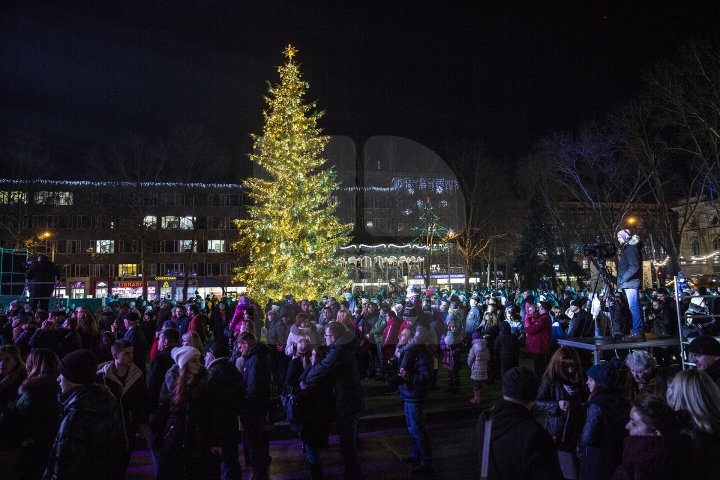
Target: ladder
{"x": 685, "y": 341}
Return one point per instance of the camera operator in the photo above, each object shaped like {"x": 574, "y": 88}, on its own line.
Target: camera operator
{"x": 40, "y": 277}
{"x": 629, "y": 275}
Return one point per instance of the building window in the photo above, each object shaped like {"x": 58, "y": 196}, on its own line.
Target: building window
{"x": 150, "y": 221}
{"x": 150, "y": 270}
{"x": 105, "y": 246}
{"x": 716, "y": 243}
{"x": 216, "y": 246}
{"x": 127, "y": 270}
{"x": 174, "y": 223}
{"x": 53, "y": 198}
{"x": 13, "y": 198}
{"x": 187, "y": 246}
{"x": 695, "y": 247}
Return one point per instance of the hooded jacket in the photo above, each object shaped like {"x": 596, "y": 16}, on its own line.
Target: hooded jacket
{"x": 90, "y": 443}
{"x": 417, "y": 387}
{"x": 630, "y": 264}
{"x": 256, "y": 375}
{"x": 478, "y": 359}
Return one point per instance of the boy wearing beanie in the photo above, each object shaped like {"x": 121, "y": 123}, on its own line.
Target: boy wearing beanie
{"x": 90, "y": 443}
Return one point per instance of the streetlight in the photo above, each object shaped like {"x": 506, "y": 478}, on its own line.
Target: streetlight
{"x": 45, "y": 236}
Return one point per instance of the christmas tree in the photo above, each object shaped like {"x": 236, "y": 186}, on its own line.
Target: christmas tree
{"x": 292, "y": 235}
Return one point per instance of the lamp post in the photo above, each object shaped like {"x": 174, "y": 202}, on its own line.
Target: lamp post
{"x": 45, "y": 236}
{"x": 449, "y": 238}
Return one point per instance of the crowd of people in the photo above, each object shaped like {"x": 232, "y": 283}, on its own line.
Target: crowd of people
{"x": 83, "y": 389}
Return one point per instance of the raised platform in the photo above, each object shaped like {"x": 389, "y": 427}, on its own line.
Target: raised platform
{"x": 596, "y": 346}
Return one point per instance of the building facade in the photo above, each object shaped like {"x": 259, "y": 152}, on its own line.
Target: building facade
{"x": 107, "y": 236}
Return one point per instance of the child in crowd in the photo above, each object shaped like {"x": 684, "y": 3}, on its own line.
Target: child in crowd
{"x": 452, "y": 346}
{"x": 477, "y": 360}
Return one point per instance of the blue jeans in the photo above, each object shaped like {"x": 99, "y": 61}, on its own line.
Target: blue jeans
{"x": 634, "y": 305}
{"x": 415, "y": 416}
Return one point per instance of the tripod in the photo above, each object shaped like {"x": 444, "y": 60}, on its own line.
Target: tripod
{"x": 604, "y": 276}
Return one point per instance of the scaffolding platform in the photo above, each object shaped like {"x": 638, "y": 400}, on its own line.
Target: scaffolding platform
{"x": 596, "y": 346}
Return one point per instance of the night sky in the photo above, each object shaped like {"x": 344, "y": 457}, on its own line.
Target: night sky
{"x": 80, "y": 75}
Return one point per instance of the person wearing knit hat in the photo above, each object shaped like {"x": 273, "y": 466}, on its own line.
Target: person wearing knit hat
{"x": 705, "y": 353}
{"x": 519, "y": 446}
{"x": 91, "y": 416}
{"x": 182, "y": 356}
{"x": 601, "y": 441}
{"x": 77, "y": 368}
{"x": 187, "y": 389}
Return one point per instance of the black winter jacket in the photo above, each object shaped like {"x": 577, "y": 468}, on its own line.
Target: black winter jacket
{"x": 90, "y": 444}
{"x": 157, "y": 370}
{"x": 519, "y": 447}
{"x": 563, "y": 426}
{"x": 256, "y": 374}
{"x": 601, "y": 441}
{"x": 417, "y": 387}
{"x": 32, "y": 424}
{"x": 339, "y": 368}
{"x": 630, "y": 264}
{"x": 507, "y": 349}
{"x": 227, "y": 386}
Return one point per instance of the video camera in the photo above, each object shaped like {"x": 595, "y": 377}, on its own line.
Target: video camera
{"x": 599, "y": 250}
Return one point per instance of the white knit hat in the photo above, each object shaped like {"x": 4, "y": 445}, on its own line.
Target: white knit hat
{"x": 182, "y": 355}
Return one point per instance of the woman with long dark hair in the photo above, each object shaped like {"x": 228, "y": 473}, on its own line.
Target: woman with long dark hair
{"x": 29, "y": 427}
{"x": 12, "y": 374}
{"x": 561, "y": 396}
{"x": 186, "y": 421}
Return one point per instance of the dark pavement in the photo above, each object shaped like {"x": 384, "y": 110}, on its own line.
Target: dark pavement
{"x": 383, "y": 438}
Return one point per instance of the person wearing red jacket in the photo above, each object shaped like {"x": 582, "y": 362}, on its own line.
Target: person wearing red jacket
{"x": 538, "y": 332}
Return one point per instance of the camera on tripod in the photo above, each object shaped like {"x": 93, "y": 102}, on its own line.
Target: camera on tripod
{"x": 599, "y": 250}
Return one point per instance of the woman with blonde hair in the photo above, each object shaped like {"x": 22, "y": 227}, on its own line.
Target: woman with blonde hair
{"x": 696, "y": 393}
{"x": 345, "y": 318}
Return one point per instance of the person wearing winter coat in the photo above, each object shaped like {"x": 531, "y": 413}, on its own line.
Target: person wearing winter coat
{"x": 538, "y": 331}
{"x": 316, "y": 410}
{"x": 629, "y": 275}
{"x": 124, "y": 380}
{"x": 137, "y": 338}
{"x": 255, "y": 403}
{"x": 656, "y": 448}
{"x": 477, "y": 360}
{"x": 187, "y": 432}
{"x": 12, "y": 375}
{"x": 473, "y": 319}
{"x": 90, "y": 443}
{"x": 507, "y": 347}
{"x": 340, "y": 369}
{"x": 561, "y": 398}
{"x": 520, "y": 448}
{"x": 277, "y": 335}
{"x": 40, "y": 278}
{"x": 415, "y": 380}
{"x": 451, "y": 347}
{"x": 226, "y": 387}
{"x": 302, "y": 329}
{"x": 601, "y": 440}
{"x": 390, "y": 335}
{"x": 31, "y": 424}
